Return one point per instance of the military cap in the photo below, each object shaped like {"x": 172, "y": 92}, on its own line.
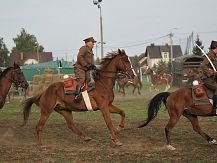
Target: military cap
{"x": 213, "y": 45}
{"x": 89, "y": 39}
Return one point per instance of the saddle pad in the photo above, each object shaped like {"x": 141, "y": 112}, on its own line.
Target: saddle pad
{"x": 70, "y": 85}
{"x": 203, "y": 100}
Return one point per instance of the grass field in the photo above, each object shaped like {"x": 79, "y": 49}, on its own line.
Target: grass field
{"x": 140, "y": 145}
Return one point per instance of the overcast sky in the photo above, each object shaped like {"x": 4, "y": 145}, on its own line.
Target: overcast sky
{"x": 61, "y": 25}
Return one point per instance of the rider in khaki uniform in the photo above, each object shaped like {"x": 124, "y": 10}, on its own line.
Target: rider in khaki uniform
{"x": 209, "y": 77}
{"x": 84, "y": 65}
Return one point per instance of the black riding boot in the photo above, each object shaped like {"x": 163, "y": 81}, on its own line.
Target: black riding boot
{"x": 215, "y": 103}
{"x": 78, "y": 96}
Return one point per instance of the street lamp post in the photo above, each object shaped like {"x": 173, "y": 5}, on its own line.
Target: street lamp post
{"x": 98, "y": 3}
{"x": 97, "y": 48}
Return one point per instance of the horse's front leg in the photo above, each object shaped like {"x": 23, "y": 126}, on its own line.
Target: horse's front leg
{"x": 116, "y": 110}
{"x": 107, "y": 118}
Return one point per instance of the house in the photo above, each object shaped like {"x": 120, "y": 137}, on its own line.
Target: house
{"x": 156, "y": 53}
{"x": 30, "y": 58}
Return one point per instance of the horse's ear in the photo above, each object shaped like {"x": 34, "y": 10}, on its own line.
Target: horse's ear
{"x": 119, "y": 51}
{"x": 123, "y": 51}
{"x": 16, "y": 65}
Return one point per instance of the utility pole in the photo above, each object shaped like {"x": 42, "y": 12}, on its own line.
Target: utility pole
{"x": 38, "y": 54}
{"x": 66, "y": 57}
{"x": 171, "y": 49}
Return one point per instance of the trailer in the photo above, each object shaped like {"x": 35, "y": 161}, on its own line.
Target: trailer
{"x": 183, "y": 63}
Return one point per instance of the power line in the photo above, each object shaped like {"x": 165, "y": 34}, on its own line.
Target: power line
{"x": 139, "y": 44}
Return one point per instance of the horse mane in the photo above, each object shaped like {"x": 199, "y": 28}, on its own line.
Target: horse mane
{"x": 108, "y": 58}
{"x": 5, "y": 71}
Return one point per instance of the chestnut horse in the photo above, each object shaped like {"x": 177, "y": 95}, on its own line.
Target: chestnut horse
{"x": 103, "y": 95}
{"x": 179, "y": 103}
{"x": 7, "y": 77}
{"x": 166, "y": 79}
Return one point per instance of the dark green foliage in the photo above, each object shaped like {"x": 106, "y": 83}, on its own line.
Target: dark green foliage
{"x": 4, "y": 59}
{"x": 26, "y": 43}
{"x": 196, "y": 50}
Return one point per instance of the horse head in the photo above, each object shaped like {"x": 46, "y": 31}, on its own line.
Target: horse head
{"x": 18, "y": 78}
{"x": 147, "y": 70}
{"x": 117, "y": 62}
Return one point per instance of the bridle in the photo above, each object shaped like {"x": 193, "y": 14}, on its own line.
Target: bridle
{"x": 126, "y": 71}
{"x": 15, "y": 80}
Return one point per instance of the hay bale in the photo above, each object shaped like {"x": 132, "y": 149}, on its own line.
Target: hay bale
{"x": 48, "y": 71}
{"x": 36, "y": 89}
{"x": 57, "y": 78}
{"x": 48, "y": 77}
{"x": 36, "y": 79}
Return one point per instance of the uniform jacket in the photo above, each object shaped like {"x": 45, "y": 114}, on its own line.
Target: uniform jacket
{"x": 206, "y": 66}
{"x": 85, "y": 56}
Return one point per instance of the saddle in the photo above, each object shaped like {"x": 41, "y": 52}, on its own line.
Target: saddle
{"x": 201, "y": 94}
{"x": 70, "y": 85}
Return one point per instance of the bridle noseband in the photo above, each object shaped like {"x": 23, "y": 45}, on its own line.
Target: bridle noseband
{"x": 15, "y": 80}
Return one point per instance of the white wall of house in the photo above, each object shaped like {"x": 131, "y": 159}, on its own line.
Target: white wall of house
{"x": 153, "y": 61}
{"x": 165, "y": 57}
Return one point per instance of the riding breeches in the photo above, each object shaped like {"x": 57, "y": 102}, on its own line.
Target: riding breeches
{"x": 83, "y": 76}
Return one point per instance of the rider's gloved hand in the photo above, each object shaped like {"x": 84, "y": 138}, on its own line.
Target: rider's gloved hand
{"x": 88, "y": 66}
{"x": 93, "y": 67}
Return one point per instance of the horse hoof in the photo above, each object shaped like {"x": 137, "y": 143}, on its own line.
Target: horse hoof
{"x": 86, "y": 138}
{"x": 213, "y": 142}
{"x": 171, "y": 148}
{"x": 42, "y": 147}
{"x": 119, "y": 128}
{"x": 117, "y": 143}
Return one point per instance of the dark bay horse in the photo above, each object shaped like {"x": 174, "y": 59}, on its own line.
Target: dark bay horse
{"x": 123, "y": 81}
{"x": 7, "y": 77}
{"x": 179, "y": 103}
{"x": 53, "y": 98}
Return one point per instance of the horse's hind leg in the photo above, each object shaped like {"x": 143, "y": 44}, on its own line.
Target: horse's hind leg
{"x": 116, "y": 110}
{"x": 69, "y": 120}
{"x": 138, "y": 90}
{"x": 40, "y": 125}
{"x": 134, "y": 88}
{"x": 170, "y": 125}
{"x": 195, "y": 124}
{"x": 124, "y": 91}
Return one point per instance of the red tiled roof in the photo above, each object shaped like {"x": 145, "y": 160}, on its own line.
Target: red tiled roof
{"x": 43, "y": 57}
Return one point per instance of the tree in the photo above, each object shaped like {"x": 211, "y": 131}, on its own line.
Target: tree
{"x": 4, "y": 58}
{"x": 97, "y": 61}
{"x": 196, "y": 50}
{"x": 25, "y": 42}
{"x": 166, "y": 66}
{"x": 135, "y": 61}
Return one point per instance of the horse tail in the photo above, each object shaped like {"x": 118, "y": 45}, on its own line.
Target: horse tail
{"x": 154, "y": 106}
{"x": 27, "y": 104}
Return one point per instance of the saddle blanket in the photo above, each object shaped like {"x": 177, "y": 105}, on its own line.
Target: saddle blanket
{"x": 70, "y": 89}
{"x": 200, "y": 94}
